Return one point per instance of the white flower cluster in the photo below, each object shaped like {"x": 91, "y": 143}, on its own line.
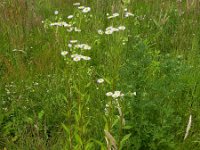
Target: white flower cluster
{"x": 60, "y": 24}
{"x": 75, "y": 57}
{"x": 78, "y": 46}
{"x": 73, "y": 29}
{"x": 111, "y": 29}
{"x": 115, "y": 95}
{"x": 83, "y": 46}
{"x": 78, "y": 57}
{"x": 84, "y": 9}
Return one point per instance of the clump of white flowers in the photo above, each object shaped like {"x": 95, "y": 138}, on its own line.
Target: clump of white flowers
{"x": 111, "y": 29}
{"x": 61, "y": 24}
{"x": 115, "y": 94}
{"x": 83, "y": 46}
{"x": 84, "y": 9}
{"x": 78, "y": 57}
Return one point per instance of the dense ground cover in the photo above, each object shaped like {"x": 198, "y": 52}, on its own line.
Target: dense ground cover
{"x": 99, "y": 75}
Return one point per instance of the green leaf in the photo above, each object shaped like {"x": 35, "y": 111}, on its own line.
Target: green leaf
{"x": 78, "y": 139}
{"x": 125, "y": 138}
{"x": 65, "y": 128}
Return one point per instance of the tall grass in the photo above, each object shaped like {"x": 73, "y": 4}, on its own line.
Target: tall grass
{"x": 130, "y": 86}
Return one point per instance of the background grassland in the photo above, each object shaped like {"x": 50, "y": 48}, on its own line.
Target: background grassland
{"x": 48, "y": 102}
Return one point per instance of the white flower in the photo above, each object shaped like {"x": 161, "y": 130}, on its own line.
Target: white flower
{"x": 85, "y": 58}
{"x": 100, "y": 80}
{"x": 73, "y": 41}
{"x": 74, "y": 55}
{"x": 56, "y": 12}
{"x": 70, "y": 29}
{"x": 108, "y": 32}
{"x": 100, "y": 32}
{"x": 77, "y": 58}
{"x": 121, "y": 27}
{"x": 60, "y": 24}
{"x": 125, "y": 9}
{"x": 127, "y": 14}
{"x": 69, "y": 45}
{"x": 77, "y": 29}
{"x": 83, "y": 46}
{"x": 86, "y": 9}
{"x": 114, "y": 15}
{"x": 116, "y": 94}
{"x": 70, "y": 16}
{"x": 109, "y": 94}
{"x": 81, "y": 7}
{"x": 76, "y": 4}
{"x": 134, "y": 93}
{"x": 64, "y": 53}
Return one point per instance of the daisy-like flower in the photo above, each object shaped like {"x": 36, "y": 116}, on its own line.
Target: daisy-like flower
{"x": 116, "y": 94}
{"x": 110, "y": 30}
{"x": 70, "y": 16}
{"x": 60, "y": 24}
{"x": 70, "y": 29}
{"x": 122, "y": 28}
{"x": 74, "y": 55}
{"x": 81, "y": 7}
{"x": 100, "y": 80}
{"x": 77, "y": 29}
{"x": 70, "y": 45}
{"x": 56, "y": 12}
{"x": 64, "y": 53}
{"x": 86, "y": 9}
{"x": 76, "y": 4}
{"x": 73, "y": 41}
{"x": 100, "y": 32}
{"x": 128, "y": 14}
{"x": 83, "y": 46}
{"x": 113, "y": 16}
{"x": 77, "y": 58}
{"x": 109, "y": 94}
{"x": 86, "y": 58}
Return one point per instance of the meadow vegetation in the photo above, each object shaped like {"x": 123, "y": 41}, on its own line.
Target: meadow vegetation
{"x": 99, "y": 74}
